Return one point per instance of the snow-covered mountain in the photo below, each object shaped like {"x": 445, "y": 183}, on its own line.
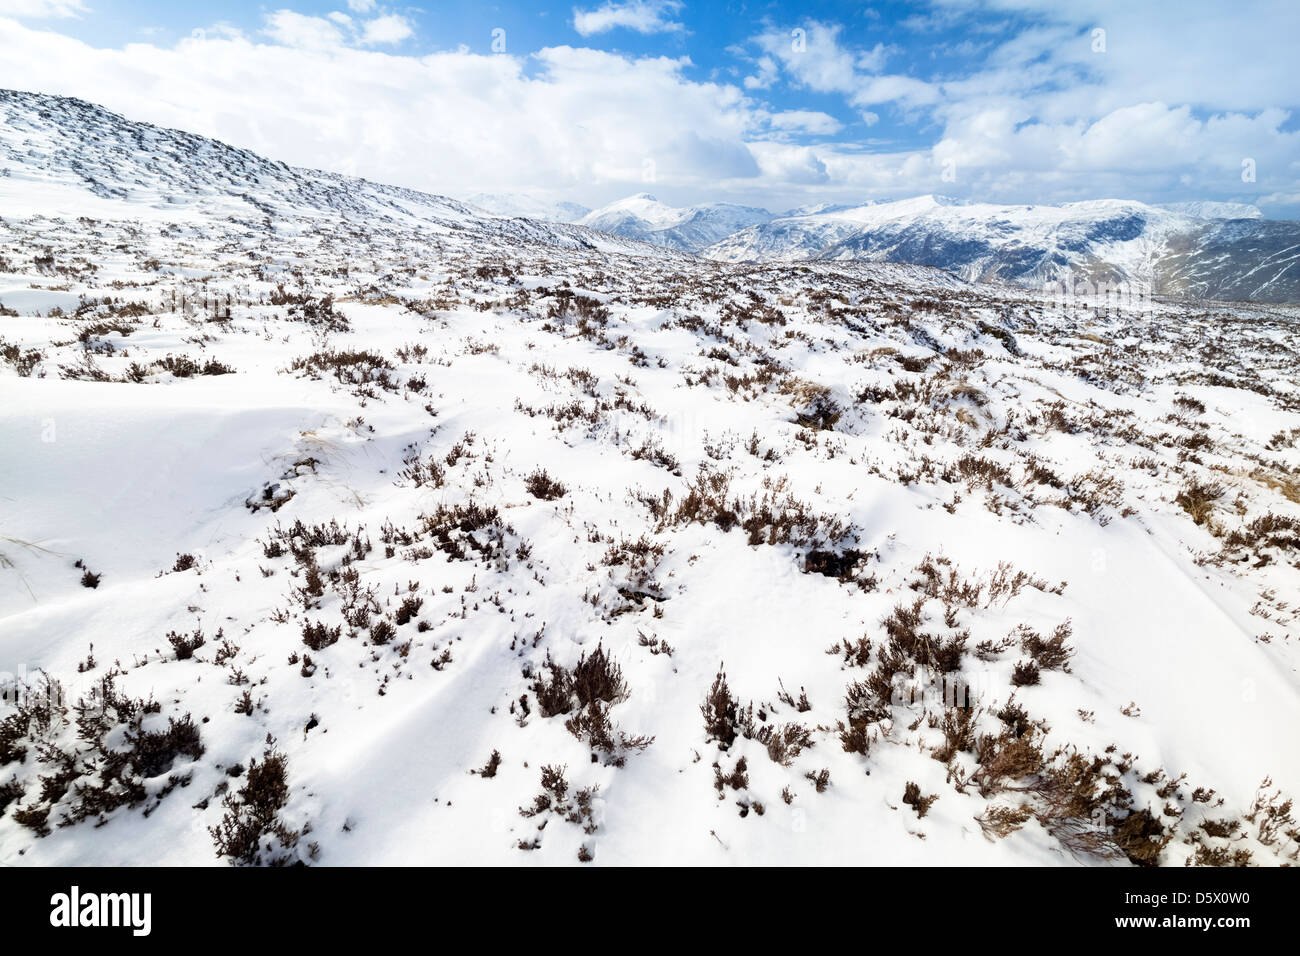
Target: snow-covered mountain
{"x": 343, "y": 524}
{"x": 689, "y": 228}
{"x": 1215, "y": 210}
{"x": 64, "y": 155}
{"x": 68, "y": 154}
{"x": 522, "y": 206}
{"x": 1208, "y": 250}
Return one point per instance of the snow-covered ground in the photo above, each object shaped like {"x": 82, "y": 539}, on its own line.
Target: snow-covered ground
{"x": 348, "y": 537}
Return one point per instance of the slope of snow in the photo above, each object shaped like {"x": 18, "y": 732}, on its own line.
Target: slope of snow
{"x": 437, "y": 489}
{"x": 642, "y": 208}
{"x": 65, "y": 157}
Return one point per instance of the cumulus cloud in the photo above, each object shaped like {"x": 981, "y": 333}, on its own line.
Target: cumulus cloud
{"x": 1137, "y": 141}
{"x": 451, "y": 122}
{"x": 296, "y": 30}
{"x": 336, "y": 29}
{"x": 1098, "y": 97}
{"x": 388, "y": 29}
{"x": 1035, "y": 115}
{"x": 798, "y": 165}
{"x": 643, "y": 16}
{"x": 813, "y": 57}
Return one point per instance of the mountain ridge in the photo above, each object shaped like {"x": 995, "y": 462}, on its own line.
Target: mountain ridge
{"x": 688, "y": 229}
{"x": 67, "y": 153}
{"x": 1171, "y": 251}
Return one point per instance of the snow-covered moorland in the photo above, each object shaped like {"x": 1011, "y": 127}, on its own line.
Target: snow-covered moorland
{"x": 342, "y": 526}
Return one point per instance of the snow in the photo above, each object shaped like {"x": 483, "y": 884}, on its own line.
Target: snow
{"x": 624, "y": 370}
{"x": 642, "y": 206}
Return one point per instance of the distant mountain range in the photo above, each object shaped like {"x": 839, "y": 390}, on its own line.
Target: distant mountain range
{"x": 1206, "y": 250}
{"x": 61, "y": 156}
{"x": 689, "y": 229}
{"x": 1202, "y": 249}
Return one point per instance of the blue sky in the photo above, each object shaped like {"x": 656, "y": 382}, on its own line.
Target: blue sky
{"x": 775, "y": 104}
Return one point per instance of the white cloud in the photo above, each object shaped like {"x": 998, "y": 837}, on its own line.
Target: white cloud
{"x": 296, "y": 30}
{"x": 1281, "y": 199}
{"x": 1170, "y": 109}
{"x": 1149, "y": 150}
{"x": 335, "y": 30}
{"x": 388, "y": 29}
{"x": 449, "y": 122}
{"x": 41, "y": 9}
{"x": 814, "y": 58}
{"x": 1040, "y": 118}
{"x": 643, "y": 16}
{"x": 361, "y": 6}
{"x": 767, "y": 74}
{"x": 798, "y": 165}
{"x": 806, "y": 121}
{"x": 904, "y": 90}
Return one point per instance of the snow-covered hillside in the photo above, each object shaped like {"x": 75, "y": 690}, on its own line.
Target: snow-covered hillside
{"x": 63, "y": 156}
{"x": 342, "y": 524}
